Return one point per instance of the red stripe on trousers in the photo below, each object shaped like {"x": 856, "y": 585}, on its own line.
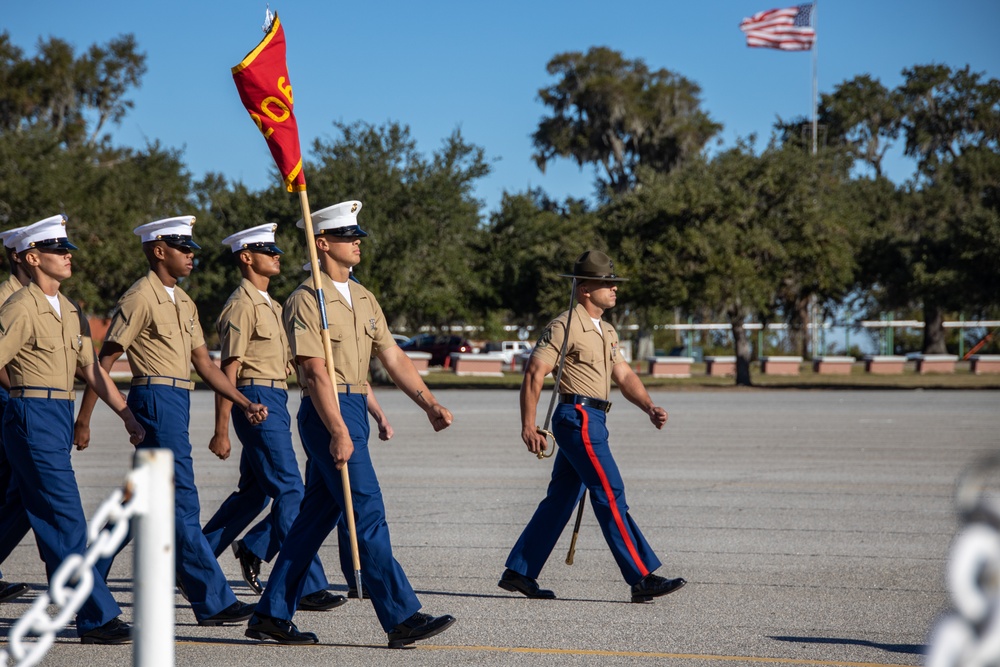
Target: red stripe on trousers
{"x": 608, "y": 492}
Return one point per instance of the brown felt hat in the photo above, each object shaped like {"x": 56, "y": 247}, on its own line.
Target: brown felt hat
{"x": 594, "y": 265}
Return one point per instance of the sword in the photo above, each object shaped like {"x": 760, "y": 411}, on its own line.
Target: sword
{"x": 544, "y": 428}
{"x": 576, "y": 530}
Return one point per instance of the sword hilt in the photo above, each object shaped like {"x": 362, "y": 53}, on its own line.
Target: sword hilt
{"x": 549, "y": 435}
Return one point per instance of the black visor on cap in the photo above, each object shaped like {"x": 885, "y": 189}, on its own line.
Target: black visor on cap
{"x": 179, "y": 240}
{"x": 348, "y": 231}
{"x": 53, "y": 244}
{"x": 261, "y": 246}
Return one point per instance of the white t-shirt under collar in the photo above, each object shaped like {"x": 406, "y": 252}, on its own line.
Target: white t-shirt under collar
{"x": 345, "y": 291}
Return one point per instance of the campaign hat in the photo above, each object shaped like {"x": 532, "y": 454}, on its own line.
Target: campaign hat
{"x": 594, "y": 265}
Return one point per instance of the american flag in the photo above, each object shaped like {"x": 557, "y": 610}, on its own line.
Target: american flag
{"x": 786, "y": 29}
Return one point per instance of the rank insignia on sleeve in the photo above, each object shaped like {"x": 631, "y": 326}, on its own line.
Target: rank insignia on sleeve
{"x": 234, "y": 328}
{"x": 372, "y": 320}
{"x": 545, "y": 339}
{"x": 298, "y": 324}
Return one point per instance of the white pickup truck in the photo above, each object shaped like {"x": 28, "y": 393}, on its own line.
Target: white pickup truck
{"x": 508, "y": 349}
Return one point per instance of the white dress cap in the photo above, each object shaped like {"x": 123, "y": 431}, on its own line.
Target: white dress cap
{"x": 8, "y": 236}
{"x": 47, "y": 233}
{"x": 260, "y": 238}
{"x": 176, "y": 231}
{"x": 337, "y": 220}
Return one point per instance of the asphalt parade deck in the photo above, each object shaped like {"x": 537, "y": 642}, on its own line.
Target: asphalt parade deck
{"x": 813, "y": 528}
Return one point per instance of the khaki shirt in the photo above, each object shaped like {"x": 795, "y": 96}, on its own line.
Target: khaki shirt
{"x": 251, "y": 330}
{"x": 38, "y": 347}
{"x": 157, "y": 334}
{"x": 8, "y": 287}
{"x": 589, "y": 355}
{"x": 355, "y": 334}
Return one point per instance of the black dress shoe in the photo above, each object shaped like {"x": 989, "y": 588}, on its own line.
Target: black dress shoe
{"x": 352, "y": 593}
{"x": 249, "y": 566}
{"x": 526, "y": 586}
{"x": 9, "y": 591}
{"x": 180, "y": 588}
{"x": 320, "y": 601}
{"x": 417, "y": 627}
{"x": 282, "y": 631}
{"x": 237, "y": 612}
{"x": 653, "y": 586}
{"x": 115, "y": 631}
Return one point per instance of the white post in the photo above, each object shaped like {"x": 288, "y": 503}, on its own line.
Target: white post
{"x": 153, "y": 567}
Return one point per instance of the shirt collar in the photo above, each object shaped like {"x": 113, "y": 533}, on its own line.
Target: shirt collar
{"x": 160, "y": 290}
{"x": 255, "y": 296}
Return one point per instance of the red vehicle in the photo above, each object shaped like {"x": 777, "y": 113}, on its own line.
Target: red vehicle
{"x": 440, "y": 346}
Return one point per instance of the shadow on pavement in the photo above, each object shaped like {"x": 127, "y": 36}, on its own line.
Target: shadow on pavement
{"x": 916, "y": 649}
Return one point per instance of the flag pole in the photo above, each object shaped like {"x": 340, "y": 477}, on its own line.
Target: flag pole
{"x": 345, "y": 479}
{"x": 814, "y": 334}
{"x": 815, "y": 76}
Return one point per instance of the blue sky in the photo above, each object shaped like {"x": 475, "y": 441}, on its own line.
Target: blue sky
{"x": 477, "y": 66}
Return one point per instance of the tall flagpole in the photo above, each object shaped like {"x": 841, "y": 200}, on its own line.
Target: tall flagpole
{"x": 814, "y": 334}
{"x": 815, "y": 77}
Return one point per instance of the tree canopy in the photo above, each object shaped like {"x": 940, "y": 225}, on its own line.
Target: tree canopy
{"x": 617, "y": 114}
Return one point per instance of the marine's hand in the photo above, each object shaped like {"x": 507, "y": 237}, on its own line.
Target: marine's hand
{"x": 81, "y": 435}
{"x": 533, "y": 439}
{"x": 439, "y": 416}
{"x": 135, "y": 430}
{"x": 341, "y": 449}
{"x": 220, "y": 445}
{"x": 658, "y": 416}
{"x": 256, "y": 413}
{"x": 385, "y": 431}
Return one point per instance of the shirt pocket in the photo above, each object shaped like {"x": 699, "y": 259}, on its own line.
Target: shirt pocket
{"x": 589, "y": 357}
{"x": 266, "y": 329}
{"x": 48, "y": 343}
{"x": 336, "y": 333}
{"x": 165, "y": 329}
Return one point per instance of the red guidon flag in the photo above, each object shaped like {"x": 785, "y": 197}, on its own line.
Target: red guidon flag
{"x": 262, "y": 80}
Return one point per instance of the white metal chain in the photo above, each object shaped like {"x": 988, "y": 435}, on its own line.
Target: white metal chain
{"x": 73, "y": 582}
{"x": 970, "y": 636}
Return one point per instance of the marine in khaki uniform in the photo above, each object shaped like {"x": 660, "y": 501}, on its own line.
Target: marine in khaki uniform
{"x": 42, "y": 347}
{"x": 14, "y": 523}
{"x": 256, "y": 358}
{"x": 156, "y": 322}
{"x": 13, "y": 519}
{"x": 334, "y": 428}
{"x": 584, "y": 460}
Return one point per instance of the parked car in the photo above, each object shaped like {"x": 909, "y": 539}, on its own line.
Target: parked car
{"x": 440, "y": 346}
{"x": 508, "y": 349}
{"x": 379, "y": 376}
